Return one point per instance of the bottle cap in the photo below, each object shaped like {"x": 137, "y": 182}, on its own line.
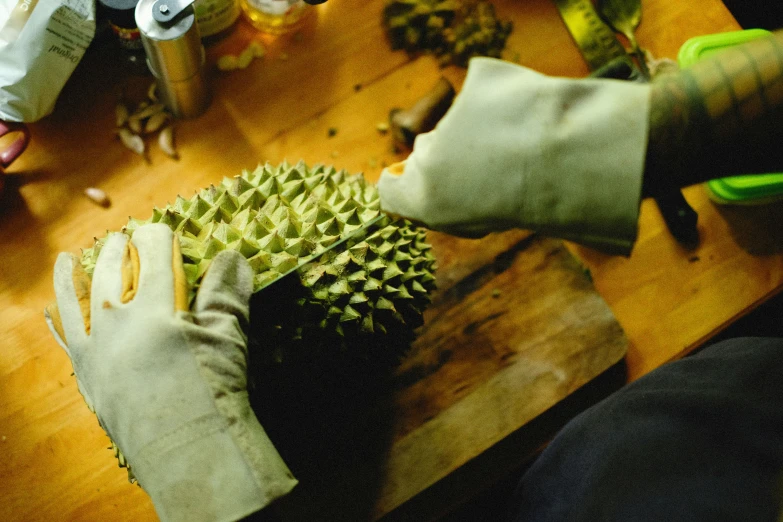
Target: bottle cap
{"x": 121, "y": 12}
{"x": 175, "y": 55}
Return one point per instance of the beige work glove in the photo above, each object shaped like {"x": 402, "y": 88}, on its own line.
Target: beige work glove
{"x": 169, "y": 385}
{"x": 518, "y": 149}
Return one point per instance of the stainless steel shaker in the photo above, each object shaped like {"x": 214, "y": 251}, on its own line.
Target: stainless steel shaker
{"x": 175, "y": 55}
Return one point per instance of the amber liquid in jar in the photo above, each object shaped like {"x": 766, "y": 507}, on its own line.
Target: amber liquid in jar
{"x": 276, "y": 16}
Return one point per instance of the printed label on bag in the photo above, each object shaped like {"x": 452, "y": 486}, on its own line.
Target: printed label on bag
{"x": 70, "y": 40}
{"x": 19, "y": 16}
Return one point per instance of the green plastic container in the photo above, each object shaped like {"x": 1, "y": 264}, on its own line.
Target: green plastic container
{"x": 736, "y": 190}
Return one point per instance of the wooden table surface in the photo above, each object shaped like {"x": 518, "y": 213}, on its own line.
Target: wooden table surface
{"x": 341, "y": 74}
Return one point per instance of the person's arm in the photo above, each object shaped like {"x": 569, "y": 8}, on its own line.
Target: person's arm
{"x": 561, "y": 156}
{"x": 722, "y": 116}
{"x": 571, "y": 157}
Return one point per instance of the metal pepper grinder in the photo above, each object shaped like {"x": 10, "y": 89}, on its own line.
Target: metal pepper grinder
{"x": 175, "y": 55}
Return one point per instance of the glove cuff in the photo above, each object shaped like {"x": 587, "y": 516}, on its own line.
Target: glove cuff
{"x": 587, "y": 187}
{"x": 205, "y": 470}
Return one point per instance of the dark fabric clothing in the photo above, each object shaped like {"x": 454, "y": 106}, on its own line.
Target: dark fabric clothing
{"x": 700, "y": 439}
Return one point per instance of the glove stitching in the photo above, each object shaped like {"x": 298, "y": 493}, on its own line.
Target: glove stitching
{"x": 226, "y": 400}
{"x": 191, "y": 431}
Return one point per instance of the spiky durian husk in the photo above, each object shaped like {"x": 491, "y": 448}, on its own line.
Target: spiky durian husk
{"x": 358, "y": 302}
{"x": 453, "y": 30}
{"x": 278, "y": 216}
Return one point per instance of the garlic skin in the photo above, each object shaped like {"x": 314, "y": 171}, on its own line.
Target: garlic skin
{"x": 166, "y": 142}
{"x": 97, "y": 196}
{"x": 132, "y": 141}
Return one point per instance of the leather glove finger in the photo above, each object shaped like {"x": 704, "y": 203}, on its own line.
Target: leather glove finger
{"x": 69, "y": 318}
{"x": 222, "y": 299}
{"x": 157, "y": 265}
{"x": 72, "y": 291}
{"x": 107, "y": 281}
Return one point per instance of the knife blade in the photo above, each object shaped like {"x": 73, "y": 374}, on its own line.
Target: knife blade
{"x": 607, "y": 57}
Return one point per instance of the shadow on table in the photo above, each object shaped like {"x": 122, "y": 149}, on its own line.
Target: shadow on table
{"x": 20, "y": 233}
{"x": 755, "y": 228}
{"x": 328, "y": 413}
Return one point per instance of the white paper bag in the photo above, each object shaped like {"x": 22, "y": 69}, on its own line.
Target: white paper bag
{"x": 41, "y": 42}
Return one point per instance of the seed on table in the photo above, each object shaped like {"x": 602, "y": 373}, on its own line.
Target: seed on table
{"x": 98, "y": 197}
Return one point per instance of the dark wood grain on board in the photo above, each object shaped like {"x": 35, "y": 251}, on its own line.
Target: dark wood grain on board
{"x": 515, "y": 327}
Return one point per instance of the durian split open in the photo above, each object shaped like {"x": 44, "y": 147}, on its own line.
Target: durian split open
{"x": 362, "y": 301}
{"x": 277, "y": 216}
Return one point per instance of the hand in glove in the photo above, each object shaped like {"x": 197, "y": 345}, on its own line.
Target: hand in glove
{"x": 519, "y": 149}
{"x": 169, "y": 385}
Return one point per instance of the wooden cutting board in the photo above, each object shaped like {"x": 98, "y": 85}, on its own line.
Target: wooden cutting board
{"x": 515, "y": 327}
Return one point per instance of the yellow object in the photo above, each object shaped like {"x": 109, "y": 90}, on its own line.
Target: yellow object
{"x": 276, "y": 16}
{"x": 229, "y": 62}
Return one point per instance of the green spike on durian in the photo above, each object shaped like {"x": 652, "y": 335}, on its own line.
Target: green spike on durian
{"x": 188, "y": 226}
{"x": 349, "y": 314}
{"x": 292, "y": 189}
{"x": 357, "y": 276}
{"x": 240, "y": 185}
{"x": 198, "y": 208}
{"x": 261, "y": 261}
{"x": 330, "y": 227}
{"x": 417, "y": 288}
{"x": 384, "y": 304}
{"x": 272, "y": 243}
{"x": 227, "y": 202}
{"x": 251, "y": 199}
{"x": 254, "y": 230}
{"x": 283, "y": 262}
{"x": 372, "y": 285}
{"x": 217, "y": 214}
{"x": 242, "y": 218}
{"x": 210, "y": 194}
{"x": 226, "y": 234}
{"x": 340, "y": 287}
{"x": 358, "y": 298}
{"x": 391, "y": 272}
{"x": 300, "y": 247}
{"x": 181, "y": 205}
{"x": 367, "y": 325}
{"x": 376, "y": 265}
{"x": 247, "y": 248}
{"x": 212, "y": 247}
{"x": 264, "y": 278}
{"x": 191, "y": 271}
{"x": 268, "y": 188}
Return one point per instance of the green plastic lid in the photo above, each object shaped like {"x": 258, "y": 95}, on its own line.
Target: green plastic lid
{"x": 749, "y": 189}
{"x": 700, "y": 47}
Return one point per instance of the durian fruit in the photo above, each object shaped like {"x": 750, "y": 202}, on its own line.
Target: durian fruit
{"x": 453, "y": 30}
{"x": 362, "y": 299}
{"x": 358, "y": 303}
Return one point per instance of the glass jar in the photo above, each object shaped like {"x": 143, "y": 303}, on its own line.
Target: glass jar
{"x": 276, "y": 16}
{"x": 214, "y": 16}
